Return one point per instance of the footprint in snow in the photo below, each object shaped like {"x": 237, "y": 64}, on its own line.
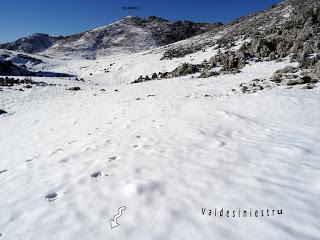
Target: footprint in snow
{"x": 64, "y": 160}
{"x": 222, "y": 143}
{"x": 35, "y": 122}
{"x": 86, "y": 149}
{"x": 51, "y": 196}
{"x": 135, "y": 146}
{"x": 33, "y": 158}
{"x": 146, "y": 146}
{"x": 56, "y": 151}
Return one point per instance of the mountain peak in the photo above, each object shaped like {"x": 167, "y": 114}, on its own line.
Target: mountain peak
{"x": 39, "y": 35}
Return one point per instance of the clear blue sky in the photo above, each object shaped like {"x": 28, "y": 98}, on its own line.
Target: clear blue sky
{"x": 19, "y": 18}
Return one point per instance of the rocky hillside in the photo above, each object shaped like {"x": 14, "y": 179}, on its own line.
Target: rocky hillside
{"x": 289, "y": 29}
{"x": 130, "y": 34}
{"x": 282, "y": 29}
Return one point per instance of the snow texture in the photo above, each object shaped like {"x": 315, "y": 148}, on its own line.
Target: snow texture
{"x": 164, "y": 149}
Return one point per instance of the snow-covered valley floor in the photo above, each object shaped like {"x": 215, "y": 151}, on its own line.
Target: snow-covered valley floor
{"x": 165, "y": 151}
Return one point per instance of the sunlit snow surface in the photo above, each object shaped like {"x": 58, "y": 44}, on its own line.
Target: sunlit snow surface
{"x": 164, "y": 150}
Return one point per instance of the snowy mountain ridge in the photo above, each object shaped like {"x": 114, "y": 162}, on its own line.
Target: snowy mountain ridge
{"x": 130, "y": 34}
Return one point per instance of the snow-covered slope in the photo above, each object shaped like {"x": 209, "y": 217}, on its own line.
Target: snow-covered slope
{"x": 165, "y": 150}
{"x": 173, "y": 150}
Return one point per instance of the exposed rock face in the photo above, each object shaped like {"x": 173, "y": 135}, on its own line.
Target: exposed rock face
{"x": 130, "y": 34}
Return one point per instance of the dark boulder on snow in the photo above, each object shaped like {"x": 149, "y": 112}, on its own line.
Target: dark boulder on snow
{"x": 96, "y": 174}
{"x": 51, "y": 196}
{"x": 74, "y": 89}
{"x": 184, "y": 69}
{"x": 154, "y": 76}
{"x": 147, "y": 78}
{"x": 302, "y": 80}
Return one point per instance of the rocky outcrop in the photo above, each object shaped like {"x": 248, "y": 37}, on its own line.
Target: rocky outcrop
{"x": 288, "y": 77}
{"x": 8, "y": 82}
{"x": 182, "y": 70}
